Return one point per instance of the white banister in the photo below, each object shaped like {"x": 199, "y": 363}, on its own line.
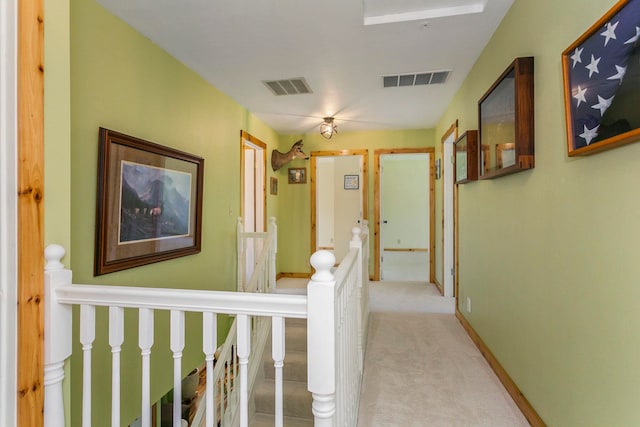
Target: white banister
{"x": 87, "y": 335}
{"x": 116, "y": 338}
{"x": 321, "y": 343}
{"x": 57, "y": 340}
{"x": 278, "y": 353}
{"x": 244, "y": 350}
{"x": 145, "y": 342}
{"x": 177, "y": 345}
{"x": 209, "y": 342}
{"x": 335, "y": 309}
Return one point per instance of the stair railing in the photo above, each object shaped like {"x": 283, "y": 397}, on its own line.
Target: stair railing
{"x": 333, "y": 308}
{"x": 336, "y": 332}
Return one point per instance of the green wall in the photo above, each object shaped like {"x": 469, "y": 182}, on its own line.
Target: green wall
{"x": 549, "y": 257}
{"x": 122, "y": 81}
{"x": 295, "y": 200}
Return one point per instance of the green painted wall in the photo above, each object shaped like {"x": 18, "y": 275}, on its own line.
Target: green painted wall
{"x": 122, "y": 81}
{"x": 549, "y": 257}
{"x": 295, "y": 213}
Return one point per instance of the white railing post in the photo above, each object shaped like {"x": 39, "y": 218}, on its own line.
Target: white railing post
{"x": 116, "y": 338}
{"x": 177, "y": 345}
{"x": 273, "y": 250}
{"x": 241, "y": 255}
{"x": 57, "y": 338}
{"x": 278, "y": 353}
{"x": 321, "y": 339}
{"x": 356, "y": 243}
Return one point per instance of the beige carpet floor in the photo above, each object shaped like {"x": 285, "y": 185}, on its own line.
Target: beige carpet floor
{"x": 422, "y": 369}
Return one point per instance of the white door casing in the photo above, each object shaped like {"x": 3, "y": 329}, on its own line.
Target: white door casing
{"x": 8, "y": 212}
{"x": 448, "y": 247}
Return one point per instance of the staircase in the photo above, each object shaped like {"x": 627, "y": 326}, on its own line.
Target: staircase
{"x": 296, "y": 398}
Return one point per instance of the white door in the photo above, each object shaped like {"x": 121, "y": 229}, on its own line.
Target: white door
{"x": 253, "y": 215}
{"x": 448, "y": 247}
{"x": 404, "y": 211}
{"x": 338, "y": 202}
{"x": 8, "y": 209}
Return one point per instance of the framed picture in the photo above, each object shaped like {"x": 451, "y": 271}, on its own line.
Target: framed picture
{"x": 149, "y": 203}
{"x": 601, "y": 73}
{"x": 351, "y": 182}
{"x": 438, "y": 168}
{"x": 297, "y": 175}
{"x": 506, "y": 115}
{"x": 273, "y": 186}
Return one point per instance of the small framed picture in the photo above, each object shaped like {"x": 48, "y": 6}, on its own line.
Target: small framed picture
{"x": 351, "y": 182}
{"x": 273, "y": 187}
{"x": 297, "y": 175}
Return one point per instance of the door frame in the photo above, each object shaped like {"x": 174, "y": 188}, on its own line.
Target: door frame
{"x": 432, "y": 209}
{"x": 448, "y": 163}
{"x": 245, "y": 136}
{"x": 364, "y": 185}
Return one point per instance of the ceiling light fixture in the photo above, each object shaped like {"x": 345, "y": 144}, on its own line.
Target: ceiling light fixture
{"x": 328, "y": 128}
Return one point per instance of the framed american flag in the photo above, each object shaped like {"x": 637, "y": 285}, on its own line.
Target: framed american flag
{"x": 601, "y": 72}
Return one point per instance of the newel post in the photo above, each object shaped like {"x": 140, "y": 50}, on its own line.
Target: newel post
{"x": 321, "y": 339}
{"x": 356, "y": 243}
{"x": 273, "y": 250}
{"x": 57, "y": 338}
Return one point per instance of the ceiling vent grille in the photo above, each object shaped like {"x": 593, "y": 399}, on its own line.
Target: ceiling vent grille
{"x": 293, "y": 86}
{"x": 417, "y": 79}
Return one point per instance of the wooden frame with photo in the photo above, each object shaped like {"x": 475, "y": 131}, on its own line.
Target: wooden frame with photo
{"x": 273, "y": 186}
{"x": 149, "y": 203}
{"x": 297, "y": 175}
{"x": 506, "y": 115}
{"x": 601, "y": 74}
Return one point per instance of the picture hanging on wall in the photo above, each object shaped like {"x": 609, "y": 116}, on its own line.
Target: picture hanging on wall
{"x": 273, "y": 187}
{"x": 149, "y": 203}
{"x": 351, "y": 182}
{"x": 601, "y": 72}
{"x": 297, "y": 175}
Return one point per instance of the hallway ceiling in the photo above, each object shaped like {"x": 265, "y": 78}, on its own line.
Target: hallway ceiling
{"x": 341, "y": 48}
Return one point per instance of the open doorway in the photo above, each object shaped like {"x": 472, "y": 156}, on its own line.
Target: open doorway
{"x": 404, "y": 237}
{"x": 253, "y": 198}
{"x": 338, "y": 198}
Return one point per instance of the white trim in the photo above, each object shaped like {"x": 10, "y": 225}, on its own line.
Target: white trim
{"x": 8, "y": 211}
{"x": 448, "y": 232}
{"x": 476, "y": 7}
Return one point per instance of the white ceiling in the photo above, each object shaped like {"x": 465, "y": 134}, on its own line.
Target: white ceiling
{"x": 237, "y": 44}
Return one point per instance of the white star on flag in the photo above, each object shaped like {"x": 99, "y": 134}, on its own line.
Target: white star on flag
{"x": 603, "y": 104}
{"x": 580, "y": 95}
{"x": 619, "y": 75}
{"x": 609, "y": 33}
{"x": 634, "y": 38}
{"x": 593, "y": 66}
{"x": 589, "y": 134}
{"x": 576, "y": 56}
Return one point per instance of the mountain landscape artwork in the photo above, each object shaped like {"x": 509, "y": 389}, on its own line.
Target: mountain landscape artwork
{"x": 154, "y": 203}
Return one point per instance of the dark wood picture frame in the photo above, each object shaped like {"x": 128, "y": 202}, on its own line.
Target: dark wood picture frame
{"x": 297, "y": 175}
{"x": 273, "y": 186}
{"x": 148, "y": 204}
{"x": 466, "y": 157}
{"x": 601, "y": 75}
{"x": 506, "y": 115}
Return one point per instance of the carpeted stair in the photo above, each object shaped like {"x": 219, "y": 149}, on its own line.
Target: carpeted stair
{"x": 297, "y": 400}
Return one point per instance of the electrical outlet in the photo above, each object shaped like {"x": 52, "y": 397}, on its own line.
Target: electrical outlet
{"x": 468, "y": 305}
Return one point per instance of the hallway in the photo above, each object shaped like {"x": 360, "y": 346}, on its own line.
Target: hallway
{"x": 421, "y": 367}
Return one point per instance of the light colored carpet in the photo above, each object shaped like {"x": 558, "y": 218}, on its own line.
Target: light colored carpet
{"x": 422, "y": 369}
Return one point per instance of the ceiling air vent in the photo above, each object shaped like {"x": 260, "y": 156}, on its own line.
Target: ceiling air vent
{"x": 416, "y": 79}
{"x": 294, "y": 86}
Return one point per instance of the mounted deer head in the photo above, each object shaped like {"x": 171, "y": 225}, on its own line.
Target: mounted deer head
{"x": 279, "y": 159}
